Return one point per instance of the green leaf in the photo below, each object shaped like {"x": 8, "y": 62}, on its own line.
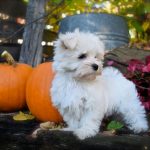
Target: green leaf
{"x": 146, "y": 25}
{"x": 137, "y": 25}
{"x": 56, "y": 1}
{"x": 69, "y": 2}
{"x": 113, "y": 125}
{"x": 26, "y": 1}
{"x": 147, "y": 8}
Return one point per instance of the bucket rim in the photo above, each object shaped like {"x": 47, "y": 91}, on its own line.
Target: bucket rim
{"x": 94, "y": 13}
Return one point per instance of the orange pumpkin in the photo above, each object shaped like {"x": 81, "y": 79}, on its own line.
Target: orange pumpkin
{"x": 12, "y": 85}
{"x": 38, "y": 94}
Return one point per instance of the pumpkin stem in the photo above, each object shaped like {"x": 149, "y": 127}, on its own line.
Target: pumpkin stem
{"x": 10, "y": 60}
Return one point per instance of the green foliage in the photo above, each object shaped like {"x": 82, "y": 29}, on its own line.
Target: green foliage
{"x": 137, "y": 13}
{"x": 25, "y": 1}
{"x": 114, "y": 125}
{"x": 56, "y": 1}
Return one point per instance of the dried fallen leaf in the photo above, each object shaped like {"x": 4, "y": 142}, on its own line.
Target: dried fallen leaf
{"x": 22, "y": 116}
{"x": 51, "y": 125}
{"x": 47, "y": 125}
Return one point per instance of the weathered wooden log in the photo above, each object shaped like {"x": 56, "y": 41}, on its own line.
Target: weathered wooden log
{"x": 122, "y": 55}
{"x": 16, "y": 135}
{"x": 66, "y": 140}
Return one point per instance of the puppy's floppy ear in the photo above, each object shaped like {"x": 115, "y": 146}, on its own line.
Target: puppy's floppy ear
{"x": 69, "y": 40}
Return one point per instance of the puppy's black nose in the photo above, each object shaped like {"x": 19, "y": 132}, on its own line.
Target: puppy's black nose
{"x": 95, "y": 67}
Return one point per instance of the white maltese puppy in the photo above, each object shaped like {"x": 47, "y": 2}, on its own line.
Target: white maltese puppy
{"x": 84, "y": 92}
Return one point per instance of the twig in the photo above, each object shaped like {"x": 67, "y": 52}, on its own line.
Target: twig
{"x": 143, "y": 87}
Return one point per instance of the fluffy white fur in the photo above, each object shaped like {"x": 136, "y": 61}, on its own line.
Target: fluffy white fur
{"x": 84, "y": 95}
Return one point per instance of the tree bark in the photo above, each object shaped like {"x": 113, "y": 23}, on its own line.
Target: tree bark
{"x": 31, "y": 51}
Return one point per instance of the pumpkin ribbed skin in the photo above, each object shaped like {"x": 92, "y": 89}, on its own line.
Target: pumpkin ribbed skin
{"x": 38, "y": 94}
{"x": 12, "y": 86}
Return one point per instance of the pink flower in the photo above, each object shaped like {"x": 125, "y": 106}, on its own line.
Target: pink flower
{"x": 139, "y": 73}
{"x": 146, "y": 68}
{"x": 135, "y": 65}
{"x": 147, "y": 60}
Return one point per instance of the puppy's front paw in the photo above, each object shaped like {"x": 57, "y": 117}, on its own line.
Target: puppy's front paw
{"x": 80, "y": 134}
{"x": 83, "y": 133}
{"x": 67, "y": 129}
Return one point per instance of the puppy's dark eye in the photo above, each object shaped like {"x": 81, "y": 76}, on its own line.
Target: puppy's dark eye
{"x": 82, "y": 56}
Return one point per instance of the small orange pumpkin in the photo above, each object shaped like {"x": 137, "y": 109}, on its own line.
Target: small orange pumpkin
{"x": 13, "y": 77}
{"x": 38, "y": 94}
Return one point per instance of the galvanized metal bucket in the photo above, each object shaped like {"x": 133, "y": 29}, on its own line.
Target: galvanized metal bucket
{"x": 111, "y": 29}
